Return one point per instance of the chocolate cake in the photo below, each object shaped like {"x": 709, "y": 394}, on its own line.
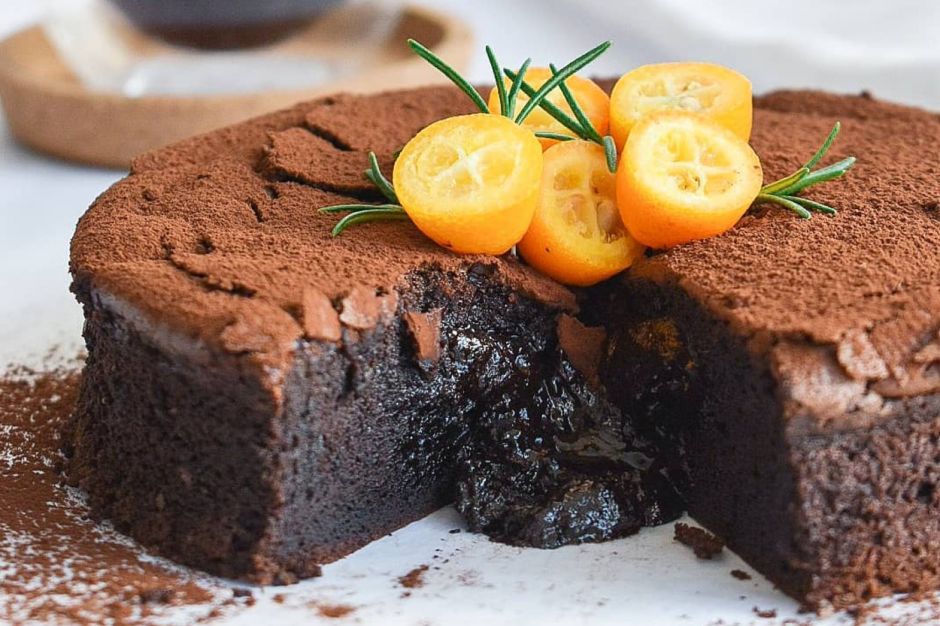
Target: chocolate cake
{"x": 261, "y": 398}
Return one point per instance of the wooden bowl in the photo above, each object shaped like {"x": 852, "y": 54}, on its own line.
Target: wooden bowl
{"x": 49, "y": 110}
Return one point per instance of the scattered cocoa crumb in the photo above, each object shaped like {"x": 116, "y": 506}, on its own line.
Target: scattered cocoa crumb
{"x": 703, "y": 543}
{"x": 334, "y": 610}
{"x": 866, "y": 94}
{"x": 212, "y": 615}
{"x": 279, "y": 598}
{"x": 740, "y": 574}
{"x": 242, "y": 592}
{"x": 766, "y": 614}
{"x": 414, "y": 578}
{"x": 453, "y": 531}
{"x": 156, "y": 596}
{"x": 66, "y": 567}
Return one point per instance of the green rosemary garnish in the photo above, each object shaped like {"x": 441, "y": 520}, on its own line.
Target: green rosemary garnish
{"x": 500, "y": 84}
{"x": 361, "y": 213}
{"x": 558, "y": 78}
{"x": 507, "y": 99}
{"x": 375, "y": 213}
{"x": 580, "y": 125}
{"x": 516, "y": 87}
{"x": 785, "y": 192}
{"x": 392, "y": 210}
{"x": 374, "y": 174}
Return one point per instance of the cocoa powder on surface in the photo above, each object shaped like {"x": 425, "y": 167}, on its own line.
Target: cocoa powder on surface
{"x": 57, "y": 565}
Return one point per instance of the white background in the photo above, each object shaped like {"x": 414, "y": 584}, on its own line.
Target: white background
{"x": 888, "y": 47}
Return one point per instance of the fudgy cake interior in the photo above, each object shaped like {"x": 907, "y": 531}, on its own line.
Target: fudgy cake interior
{"x": 261, "y": 398}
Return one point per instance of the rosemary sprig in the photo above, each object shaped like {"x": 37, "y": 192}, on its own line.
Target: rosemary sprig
{"x": 369, "y": 215}
{"x": 575, "y": 106}
{"x": 580, "y": 124}
{"x": 374, "y": 174}
{"x": 361, "y": 213}
{"x": 547, "y": 134}
{"x": 559, "y": 77}
{"x": 507, "y": 99}
{"x": 500, "y": 84}
{"x": 516, "y": 86}
{"x": 785, "y": 191}
{"x": 610, "y": 148}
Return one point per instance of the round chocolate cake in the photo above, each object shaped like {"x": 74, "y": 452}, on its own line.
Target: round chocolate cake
{"x": 261, "y": 397}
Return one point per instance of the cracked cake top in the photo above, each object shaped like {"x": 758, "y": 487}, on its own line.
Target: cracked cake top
{"x": 218, "y": 238}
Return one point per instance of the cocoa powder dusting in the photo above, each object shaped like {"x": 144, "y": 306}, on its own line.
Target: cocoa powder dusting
{"x": 703, "y": 543}
{"x": 414, "y": 578}
{"x": 335, "y": 611}
{"x": 56, "y": 564}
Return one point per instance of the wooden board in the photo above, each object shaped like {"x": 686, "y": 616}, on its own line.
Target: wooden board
{"x": 49, "y": 109}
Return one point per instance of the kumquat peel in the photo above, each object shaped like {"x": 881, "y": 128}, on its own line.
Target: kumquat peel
{"x": 576, "y": 235}
{"x": 537, "y": 172}
{"x": 471, "y": 183}
{"x": 711, "y": 90}
{"x": 593, "y": 100}
{"x": 684, "y": 177}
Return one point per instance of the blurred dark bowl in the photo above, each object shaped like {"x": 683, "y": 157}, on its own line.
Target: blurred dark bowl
{"x": 222, "y": 24}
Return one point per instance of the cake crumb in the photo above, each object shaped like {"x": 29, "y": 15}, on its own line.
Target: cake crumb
{"x": 414, "y": 578}
{"x": 704, "y": 544}
{"x": 156, "y": 596}
{"x": 740, "y": 574}
{"x": 765, "y": 613}
{"x": 334, "y": 611}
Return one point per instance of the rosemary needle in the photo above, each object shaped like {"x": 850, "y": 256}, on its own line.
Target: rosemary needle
{"x": 500, "y": 84}
{"x": 568, "y": 70}
{"x": 580, "y": 124}
{"x": 785, "y": 191}
{"x": 517, "y": 83}
{"x": 575, "y": 107}
{"x": 368, "y": 215}
{"x": 362, "y": 213}
{"x": 374, "y": 174}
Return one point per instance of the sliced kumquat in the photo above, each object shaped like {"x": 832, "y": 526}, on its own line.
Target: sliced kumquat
{"x": 593, "y": 100}
{"x": 711, "y": 90}
{"x": 470, "y": 182}
{"x": 576, "y": 235}
{"x": 684, "y": 177}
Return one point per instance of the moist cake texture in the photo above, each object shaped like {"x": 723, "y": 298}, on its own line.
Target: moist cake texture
{"x": 261, "y": 398}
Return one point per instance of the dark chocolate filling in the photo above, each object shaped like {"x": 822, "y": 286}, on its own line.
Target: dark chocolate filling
{"x": 543, "y": 459}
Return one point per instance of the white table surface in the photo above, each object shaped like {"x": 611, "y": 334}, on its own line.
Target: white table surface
{"x": 646, "y": 579}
